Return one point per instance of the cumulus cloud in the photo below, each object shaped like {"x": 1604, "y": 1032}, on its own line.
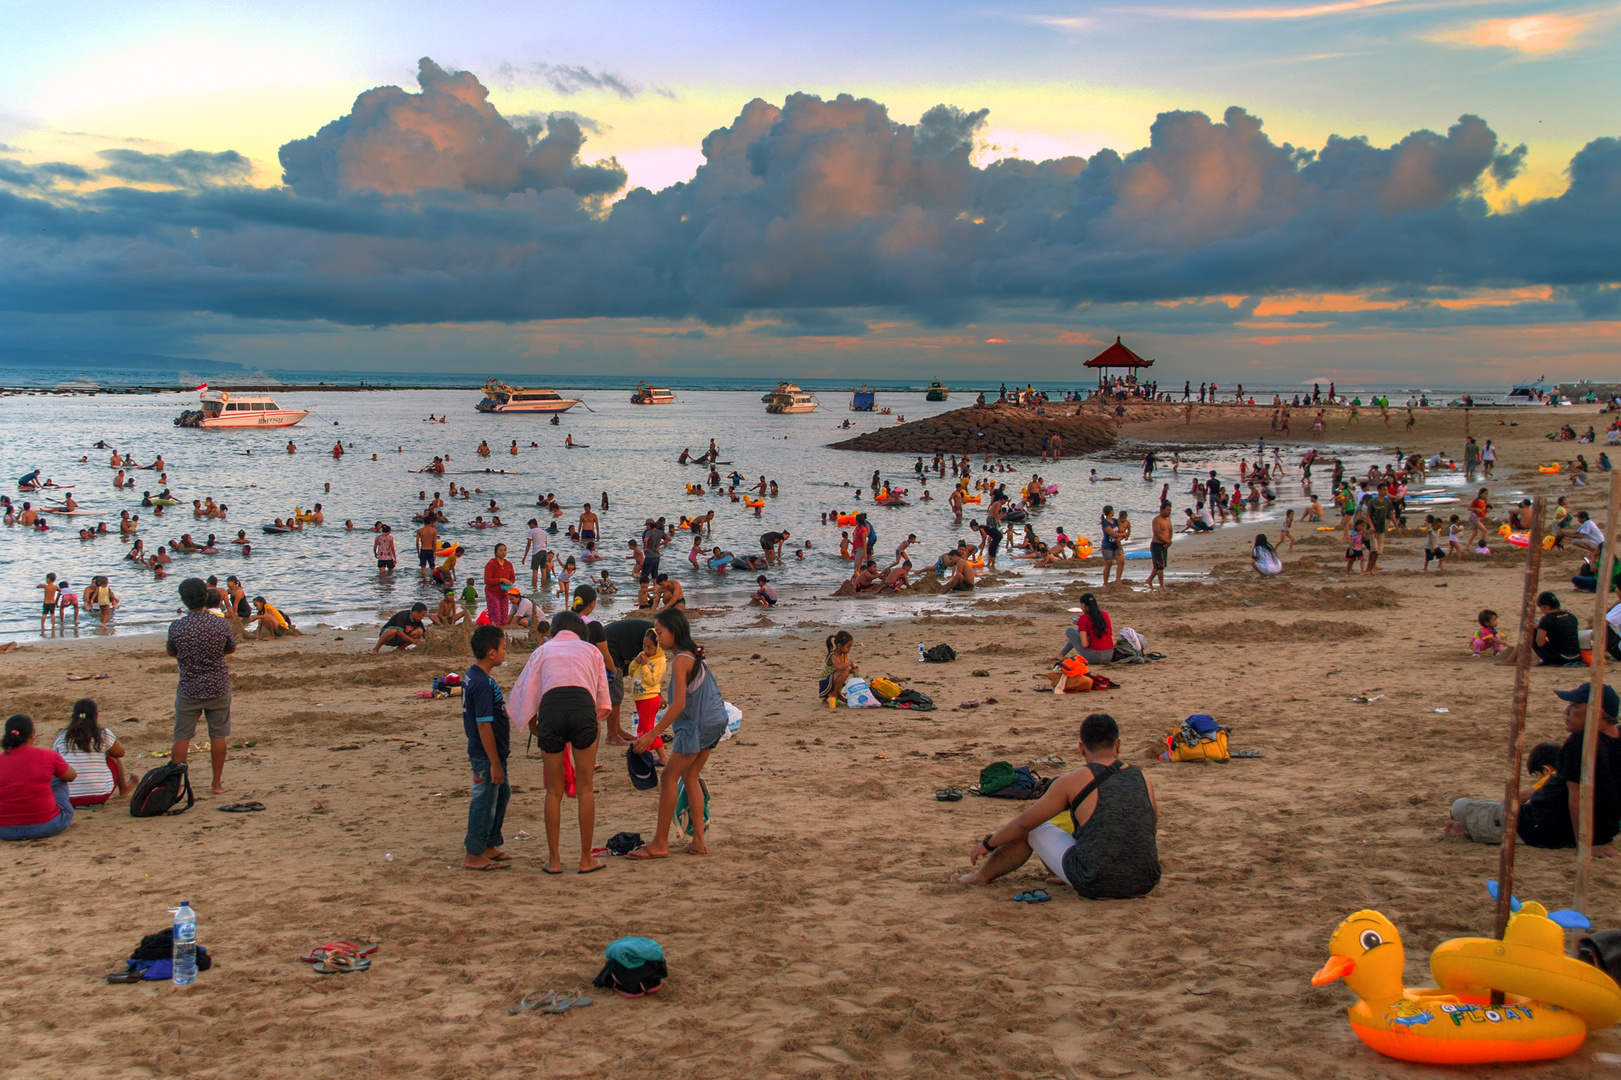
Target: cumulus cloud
{"x": 182, "y": 169}
{"x": 430, "y": 206}
{"x": 447, "y": 137}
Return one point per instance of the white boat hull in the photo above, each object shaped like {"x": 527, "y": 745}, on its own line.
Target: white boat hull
{"x": 531, "y": 407}
{"x": 279, "y": 418}
{"x": 801, "y": 407}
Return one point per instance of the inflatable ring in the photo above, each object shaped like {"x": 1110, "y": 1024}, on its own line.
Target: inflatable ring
{"x": 847, "y": 519}
{"x": 446, "y": 547}
{"x": 971, "y": 498}
{"x": 1504, "y": 531}
{"x": 1083, "y": 548}
{"x": 976, "y": 562}
{"x": 1518, "y": 539}
{"x": 1555, "y": 467}
{"x": 753, "y": 502}
{"x": 1547, "y": 543}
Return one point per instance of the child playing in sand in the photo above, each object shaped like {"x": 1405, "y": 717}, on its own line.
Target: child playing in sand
{"x": 646, "y": 676}
{"x": 1433, "y": 552}
{"x": 838, "y": 668}
{"x": 1354, "y": 553}
{"x": 1486, "y": 636}
{"x": 1455, "y": 540}
{"x": 1314, "y": 512}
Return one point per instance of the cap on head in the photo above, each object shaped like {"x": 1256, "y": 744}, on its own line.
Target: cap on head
{"x": 1581, "y": 694}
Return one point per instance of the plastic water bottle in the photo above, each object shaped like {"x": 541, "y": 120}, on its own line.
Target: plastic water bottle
{"x": 185, "y": 944}
{"x": 920, "y": 650}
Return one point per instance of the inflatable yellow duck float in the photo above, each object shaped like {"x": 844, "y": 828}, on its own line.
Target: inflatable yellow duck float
{"x": 1551, "y": 1001}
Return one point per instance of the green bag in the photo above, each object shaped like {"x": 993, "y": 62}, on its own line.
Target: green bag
{"x": 683, "y": 812}
{"x": 996, "y": 776}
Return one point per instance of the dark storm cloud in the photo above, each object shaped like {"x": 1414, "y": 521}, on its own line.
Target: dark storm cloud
{"x": 431, "y": 206}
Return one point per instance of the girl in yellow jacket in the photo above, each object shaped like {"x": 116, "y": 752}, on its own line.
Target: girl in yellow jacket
{"x": 647, "y": 675}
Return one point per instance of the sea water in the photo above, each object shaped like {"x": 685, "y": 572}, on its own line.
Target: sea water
{"x": 327, "y": 575}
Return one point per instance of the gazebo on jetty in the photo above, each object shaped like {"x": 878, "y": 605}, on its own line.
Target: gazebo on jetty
{"x": 1116, "y": 356}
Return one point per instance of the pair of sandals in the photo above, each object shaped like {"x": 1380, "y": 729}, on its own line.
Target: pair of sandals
{"x": 339, "y": 957}
{"x": 242, "y": 808}
{"x": 1033, "y": 896}
{"x": 548, "y": 1001}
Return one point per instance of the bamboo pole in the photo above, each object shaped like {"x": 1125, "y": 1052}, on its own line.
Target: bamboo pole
{"x": 1523, "y": 654}
{"x": 1595, "y": 700}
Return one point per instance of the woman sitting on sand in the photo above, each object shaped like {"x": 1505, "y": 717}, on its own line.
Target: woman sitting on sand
{"x": 1092, "y": 636}
{"x": 1265, "y": 558}
{"x": 93, "y": 752}
{"x": 838, "y": 668}
{"x": 34, "y": 800}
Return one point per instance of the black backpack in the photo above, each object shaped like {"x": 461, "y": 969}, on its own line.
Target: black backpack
{"x": 159, "y": 791}
{"x": 914, "y": 699}
{"x": 940, "y": 654}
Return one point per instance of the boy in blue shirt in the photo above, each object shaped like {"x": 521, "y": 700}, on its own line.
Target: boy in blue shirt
{"x": 489, "y": 733}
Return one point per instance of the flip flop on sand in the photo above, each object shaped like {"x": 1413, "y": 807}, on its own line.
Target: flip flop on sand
{"x": 341, "y": 963}
{"x": 540, "y": 999}
{"x": 549, "y": 870}
{"x": 241, "y": 808}
{"x": 569, "y": 1001}
{"x": 1033, "y": 896}
{"x": 488, "y": 867}
{"x": 643, "y": 855}
{"x": 949, "y": 795}
{"x": 600, "y": 866}
{"x": 320, "y": 951}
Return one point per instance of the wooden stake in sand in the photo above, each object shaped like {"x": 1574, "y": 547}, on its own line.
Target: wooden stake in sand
{"x": 1595, "y": 700}
{"x": 1523, "y": 654}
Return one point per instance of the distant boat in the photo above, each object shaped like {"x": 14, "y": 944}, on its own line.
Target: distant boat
{"x": 222, "y": 409}
{"x": 651, "y": 395}
{"x": 862, "y": 400}
{"x": 788, "y": 398}
{"x": 501, "y": 398}
{"x": 937, "y": 391}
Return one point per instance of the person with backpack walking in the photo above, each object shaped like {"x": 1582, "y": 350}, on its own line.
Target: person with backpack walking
{"x": 200, "y": 641}
{"x": 697, "y": 716}
{"x": 34, "y": 800}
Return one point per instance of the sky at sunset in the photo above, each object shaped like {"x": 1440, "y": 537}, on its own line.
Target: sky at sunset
{"x": 1425, "y": 191}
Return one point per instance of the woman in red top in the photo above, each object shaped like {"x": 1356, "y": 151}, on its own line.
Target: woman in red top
{"x": 34, "y": 800}
{"x": 498, "y": 578}
{"x": 1092, "y": 636}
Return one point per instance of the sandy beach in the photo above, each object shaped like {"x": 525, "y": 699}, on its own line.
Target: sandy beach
{"x": 821, "y": 936}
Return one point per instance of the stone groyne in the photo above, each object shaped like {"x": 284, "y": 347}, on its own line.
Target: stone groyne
{"x": 997, "y": 429}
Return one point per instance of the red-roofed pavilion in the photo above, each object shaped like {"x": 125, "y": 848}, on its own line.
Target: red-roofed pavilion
{"x": 1116, "y": 356}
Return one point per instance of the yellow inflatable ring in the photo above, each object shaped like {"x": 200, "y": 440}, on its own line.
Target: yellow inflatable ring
{"x": 1083, "y": 548}
{"x": 1529, "y": 962}
{"x": 971, "y": 498}
{"x": 1547, "y": 543}
{"x": 847, "y": 519}
{"x": 1555, "y": 467}
{"x": 753, "y": 502}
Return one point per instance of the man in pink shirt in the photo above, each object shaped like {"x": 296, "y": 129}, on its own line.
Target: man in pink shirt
{"x": 561, "y": 696}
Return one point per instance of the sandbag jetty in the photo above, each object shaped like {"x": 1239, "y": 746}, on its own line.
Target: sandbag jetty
{"x": 1001, "y": 428}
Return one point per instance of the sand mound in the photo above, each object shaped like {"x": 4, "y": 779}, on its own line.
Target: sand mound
{"x": 1257, "y": 630}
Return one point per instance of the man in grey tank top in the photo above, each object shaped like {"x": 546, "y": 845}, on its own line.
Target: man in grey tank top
{"x": 1111, "y": 853}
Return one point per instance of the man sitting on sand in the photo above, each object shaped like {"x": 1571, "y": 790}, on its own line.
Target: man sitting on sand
{"x": 1549, "y": 814}
{"x": 405, "y": 628}
{"x": 1109, "y": 852}
{"x": 962, "y": 574}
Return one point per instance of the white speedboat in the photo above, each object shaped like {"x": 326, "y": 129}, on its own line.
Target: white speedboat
{"x": 501, "y": 398}
{"x": 223, "y": 409}
{"x": 1527, "y": 393}
{"x": 788, "y": 398}
{"x": 651, "y": 395}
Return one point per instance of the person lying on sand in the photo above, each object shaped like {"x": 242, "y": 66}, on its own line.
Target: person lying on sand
{"x": 1109, "y": 850}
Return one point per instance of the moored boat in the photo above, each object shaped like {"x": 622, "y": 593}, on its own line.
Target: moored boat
{"x": 937, "y": 391}
{"x": 788, "y": 398}
{"x": 501, "y": 398}
{"x": 651, "y": 395}
{"x": 862, "y": 400}
{"x": 223, "y": 409}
